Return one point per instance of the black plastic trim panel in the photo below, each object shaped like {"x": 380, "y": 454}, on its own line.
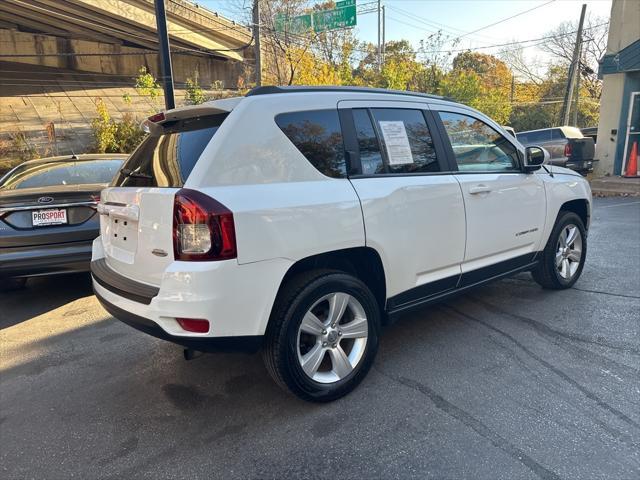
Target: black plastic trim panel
{"x": 121, "y": 285}
{"x": 481, "y": 274}
{"x": 248, "y": 344}
{"x": 411, "y": 299}
{"x": 423, "y": 291}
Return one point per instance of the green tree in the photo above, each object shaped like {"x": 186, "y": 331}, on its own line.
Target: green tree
{"x": 482, "y": 82}
{"x": 435, "y": 54}
{"x": 400, "y": 70}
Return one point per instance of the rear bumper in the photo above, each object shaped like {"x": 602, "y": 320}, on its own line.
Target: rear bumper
{"x": 247, "y": 344}
{"x": 580, "y": 165}
{"x": 236, "y": 299}
{"x": 45, "y": 259}
{"x": 121, "y": 285}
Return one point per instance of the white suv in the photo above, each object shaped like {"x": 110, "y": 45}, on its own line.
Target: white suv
{"x": 299, "y": 220}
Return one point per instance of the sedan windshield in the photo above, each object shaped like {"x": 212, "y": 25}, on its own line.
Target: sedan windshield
{"x": 33, "y": 175}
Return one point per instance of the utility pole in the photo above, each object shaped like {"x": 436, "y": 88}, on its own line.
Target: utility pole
{"x": 384, "y": 26}
{"x": 379, "y": 46}
{"x": 579, "y": 75}
{"x": 573, "y": 70}
{"x": 165, "y": 55}
{"x": 256, "y": 39}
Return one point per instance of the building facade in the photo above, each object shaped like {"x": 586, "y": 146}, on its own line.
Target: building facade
{"x": 619, "y": 127}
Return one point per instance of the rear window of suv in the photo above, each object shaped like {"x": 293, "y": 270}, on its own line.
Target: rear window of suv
{"x": 167, "y": 157}
{"x": 318, "y": 136}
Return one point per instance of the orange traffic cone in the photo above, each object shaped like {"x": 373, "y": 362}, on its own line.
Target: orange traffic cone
{"x": 632, "y": 164}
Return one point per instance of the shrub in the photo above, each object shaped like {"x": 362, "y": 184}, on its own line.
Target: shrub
{"x": 104, "y": 129}
{"x": 146, "y": 84}
{"x": 115, "y": 137}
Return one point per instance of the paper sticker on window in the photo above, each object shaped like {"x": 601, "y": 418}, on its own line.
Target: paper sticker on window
{"x": 397, "y": 142}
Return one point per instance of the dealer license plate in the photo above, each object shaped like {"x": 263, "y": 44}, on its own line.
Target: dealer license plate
{"x": 53, "y": 216}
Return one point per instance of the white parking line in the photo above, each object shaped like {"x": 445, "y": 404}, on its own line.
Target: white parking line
{"x": 618, "y": 205}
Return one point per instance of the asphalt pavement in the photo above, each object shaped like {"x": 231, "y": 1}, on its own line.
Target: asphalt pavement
{"x": 507, "y": 382}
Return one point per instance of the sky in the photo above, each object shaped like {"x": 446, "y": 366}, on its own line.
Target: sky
{"x": 413, "y": 20}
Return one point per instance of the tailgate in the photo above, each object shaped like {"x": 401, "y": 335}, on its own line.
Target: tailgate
{"x": 582, "y": 149}
{"x": 136, "y": 228}
{"x": 136, "y": 212}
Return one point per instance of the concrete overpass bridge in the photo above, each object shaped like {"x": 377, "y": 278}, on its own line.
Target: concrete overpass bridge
{"x": 118, "y": 36}
{"x": 59, "y": 58}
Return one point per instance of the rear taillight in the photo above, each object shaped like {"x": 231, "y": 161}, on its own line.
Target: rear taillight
{"x": 203, "y": 229}
{"x": 567, "y": 150}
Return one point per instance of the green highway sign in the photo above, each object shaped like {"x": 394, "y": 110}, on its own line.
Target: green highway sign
{"x": 340, "y": 17}
{"x": 343, "y": 16}
{"x": 299, "y": 24}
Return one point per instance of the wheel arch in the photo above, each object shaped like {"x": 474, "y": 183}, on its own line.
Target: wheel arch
{"x": 580, "y": 207}
{"x": 363, "y": 263}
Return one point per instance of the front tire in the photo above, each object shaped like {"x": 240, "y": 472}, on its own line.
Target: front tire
{"x": 323, "y": 335}
{"x": 563, "y": 257}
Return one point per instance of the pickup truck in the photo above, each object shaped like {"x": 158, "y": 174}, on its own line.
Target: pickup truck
{"x": 567, "y": 146}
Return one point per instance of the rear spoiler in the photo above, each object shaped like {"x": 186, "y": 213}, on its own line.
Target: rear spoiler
{"x": 190, "y": 111}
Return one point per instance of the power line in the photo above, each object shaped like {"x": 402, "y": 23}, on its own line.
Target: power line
{"x": 540, "y": 41}
{"x": 431, "y": 23}
{"x": 505, "y": 19}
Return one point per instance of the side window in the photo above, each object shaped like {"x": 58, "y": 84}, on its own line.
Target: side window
{"x": 534, "y": 137}
{"x": 407, "y": 146}
{"x": 317, "y": 135}
{"x": 523, "y": 138}
{"x": 370, "y": 155}
{"x": 477, "y": 146}
{"x": 556, "y": 134}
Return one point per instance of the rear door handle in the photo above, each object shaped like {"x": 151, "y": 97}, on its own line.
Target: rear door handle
{"x": 476, "y": 189}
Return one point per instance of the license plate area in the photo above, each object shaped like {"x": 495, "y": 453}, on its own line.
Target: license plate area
{"x": 50, "y": 216}
{"x": 123, "y": 233}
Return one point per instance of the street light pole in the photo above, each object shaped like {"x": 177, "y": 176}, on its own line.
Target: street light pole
{"x": 384, "y": 26}
{"x": 165, "y": 55}
{"x": 379, "y": 45}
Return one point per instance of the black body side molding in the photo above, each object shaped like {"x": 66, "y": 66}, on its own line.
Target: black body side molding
{"x": 448, "y": 287}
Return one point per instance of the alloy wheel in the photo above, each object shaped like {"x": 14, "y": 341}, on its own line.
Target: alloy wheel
{"x": 332, "y": 337}
{"x": 569, "y": 251}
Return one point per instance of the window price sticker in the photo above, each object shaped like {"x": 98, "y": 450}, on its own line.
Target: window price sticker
{"x": 396, "y": 142}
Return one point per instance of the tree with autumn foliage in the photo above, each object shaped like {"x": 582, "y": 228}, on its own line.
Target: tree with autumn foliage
{"x": 482, "y": 82}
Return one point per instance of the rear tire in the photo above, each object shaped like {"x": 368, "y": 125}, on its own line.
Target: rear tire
{"x": 323, "y": 335}
{"x": 11, "y": 284}
{"x": 563, "y": 257}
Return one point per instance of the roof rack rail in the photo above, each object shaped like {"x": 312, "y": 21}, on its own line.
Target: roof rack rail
{"x": 271, "y": 89}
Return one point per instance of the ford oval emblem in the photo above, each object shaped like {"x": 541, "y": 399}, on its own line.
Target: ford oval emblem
{"x": 45, "y": 200}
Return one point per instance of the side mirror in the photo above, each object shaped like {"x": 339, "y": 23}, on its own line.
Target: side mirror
{"x": 535, "y": 157}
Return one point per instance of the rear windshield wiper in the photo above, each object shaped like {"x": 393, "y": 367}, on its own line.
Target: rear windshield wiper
{"x": 130, "y": 173}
